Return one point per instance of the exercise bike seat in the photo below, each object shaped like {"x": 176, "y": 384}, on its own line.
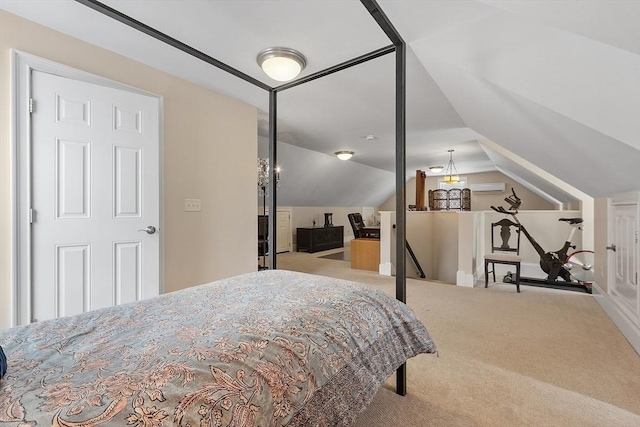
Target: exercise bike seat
{"x": 571, "y": 220}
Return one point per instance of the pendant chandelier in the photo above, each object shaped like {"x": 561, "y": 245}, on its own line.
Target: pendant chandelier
{"x": 263, "y": 176}
{"x": 451, "y": 173}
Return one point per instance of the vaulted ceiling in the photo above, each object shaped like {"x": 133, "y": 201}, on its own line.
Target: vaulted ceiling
{"x": 506, "y": 84}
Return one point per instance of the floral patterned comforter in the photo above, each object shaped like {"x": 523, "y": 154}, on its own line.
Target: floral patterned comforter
{"x": 273, "y": 348}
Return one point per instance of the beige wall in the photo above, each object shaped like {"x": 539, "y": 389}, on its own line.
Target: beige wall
{"x": 479, "y": 201}
{"x": 209, "y": 141}
{"x": 433, "y": 239}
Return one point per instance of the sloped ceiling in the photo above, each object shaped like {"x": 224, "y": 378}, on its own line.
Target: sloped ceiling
{"x": 557, "y": 83}
{"x": 304, "y": 180}
{"x": 516, "y": 73}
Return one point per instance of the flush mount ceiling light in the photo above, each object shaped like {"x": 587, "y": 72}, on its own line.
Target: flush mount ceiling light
{"x": 436, "y": 169}
{"x": 281, "y": 63}
{"x": 344, "y": 155}
{"x": 449, "y": 176}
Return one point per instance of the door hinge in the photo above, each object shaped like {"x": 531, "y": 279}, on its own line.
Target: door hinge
{"x": 32, "y": 105}
{"x": 32, "y": 216}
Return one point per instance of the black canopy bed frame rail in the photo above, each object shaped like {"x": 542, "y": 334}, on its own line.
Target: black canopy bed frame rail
{"x": 398, "y": 46}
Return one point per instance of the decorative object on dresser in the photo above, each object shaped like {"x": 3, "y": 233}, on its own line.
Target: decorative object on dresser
{"x": 319, "y": 238}
{"x": 455, "y": 199}
{"x": 328, "y": 219}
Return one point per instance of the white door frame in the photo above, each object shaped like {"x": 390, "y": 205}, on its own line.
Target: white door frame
{"x": 622, "y": 199}
{"x": 22, "y": 66}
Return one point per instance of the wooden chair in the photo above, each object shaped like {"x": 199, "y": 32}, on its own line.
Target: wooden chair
{"x": 503, "y": 253}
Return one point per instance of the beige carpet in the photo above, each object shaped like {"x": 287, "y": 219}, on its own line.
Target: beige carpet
{"x": 538, "y": 358}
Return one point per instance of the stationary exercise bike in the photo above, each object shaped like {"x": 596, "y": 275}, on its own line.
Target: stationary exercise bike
{"x": 572, "y": 271}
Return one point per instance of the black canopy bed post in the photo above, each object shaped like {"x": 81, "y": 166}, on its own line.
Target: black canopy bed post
{"x": 401, "y": 213}
{"x": 273, "y": 154}
{"x": 401, "y": 75}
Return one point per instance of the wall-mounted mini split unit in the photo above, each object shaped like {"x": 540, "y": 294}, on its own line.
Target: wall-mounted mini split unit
{"x": 495, "y": 187}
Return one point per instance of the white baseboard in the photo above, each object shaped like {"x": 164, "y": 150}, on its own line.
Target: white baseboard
{"x": 385, "y": 269}
{"x": 465, "y": 279}
{"x": 630, "y": 330}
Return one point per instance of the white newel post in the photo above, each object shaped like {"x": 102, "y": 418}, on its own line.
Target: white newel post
{"x": 387, "y": 219}
{"x": 466, "y": 249}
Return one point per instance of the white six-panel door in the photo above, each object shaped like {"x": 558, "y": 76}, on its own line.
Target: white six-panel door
{"x": 95, "y": 185}
{"x": 283, "y": 236}
{"x": 624, "y": 286}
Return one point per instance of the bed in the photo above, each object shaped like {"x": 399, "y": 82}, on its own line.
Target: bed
{"x": 273, "y": 348}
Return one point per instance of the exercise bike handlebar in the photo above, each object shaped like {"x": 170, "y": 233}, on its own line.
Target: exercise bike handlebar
{"x": 513, "y": 200}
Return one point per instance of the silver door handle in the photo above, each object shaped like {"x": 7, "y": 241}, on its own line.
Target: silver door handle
{"x": 149, "y": 230}
{"x": 611, "y": 248}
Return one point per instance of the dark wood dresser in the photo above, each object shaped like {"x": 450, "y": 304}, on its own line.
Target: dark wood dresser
{"x": 319, "y": 238}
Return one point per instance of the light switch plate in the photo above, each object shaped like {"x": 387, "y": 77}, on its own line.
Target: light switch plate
{"x": 192, "y": 205}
